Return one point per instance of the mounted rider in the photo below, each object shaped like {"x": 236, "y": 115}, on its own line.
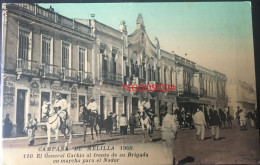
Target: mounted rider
{"x": 146, "y": 106}
{"x": 92, "y": 106}
{"x": 60, "y": 106}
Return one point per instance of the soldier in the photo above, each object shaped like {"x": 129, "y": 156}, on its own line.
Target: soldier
{"x": 242, "y": 120}
{"x": 30, "y": 128}
{"x": 132, "y": 124}
{"x": 92, "y": 106}
{"x": 147, "y": 108}
{"x": 199, "y": 120}
{"x": 169, "y": 133}
{"x": 215, "y": 123}
{"x": 60, "y": 106}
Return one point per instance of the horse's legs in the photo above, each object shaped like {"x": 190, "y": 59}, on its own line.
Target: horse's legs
{"x": 143, "y": 132}
{"x": 92, "y": 133}
{"x": 57, "y": 135}
{"x": 49, "y": 136}
{"x": 85, "y": 131}
{"x": 96, "y": 131}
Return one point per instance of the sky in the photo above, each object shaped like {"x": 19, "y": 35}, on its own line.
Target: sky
{"x": 216, "y": 35}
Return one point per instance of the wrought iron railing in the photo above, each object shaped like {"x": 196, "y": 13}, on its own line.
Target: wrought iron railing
{"x": 68, "y": 74}
{"x": 25, "y": 66}
{"x": 49, "y": 70}
{"x": 112, "y": 77}
{"x": 85, "y": 77}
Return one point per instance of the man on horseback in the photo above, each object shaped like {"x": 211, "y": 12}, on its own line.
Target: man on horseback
{"x": 147, "y": 108}
{"x": 92, "y": 106}
{"x": 60, "y": 106}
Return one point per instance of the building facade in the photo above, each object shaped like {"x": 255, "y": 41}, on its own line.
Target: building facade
{"x": 44, "y": 53}
{"x": 241, "y": 94}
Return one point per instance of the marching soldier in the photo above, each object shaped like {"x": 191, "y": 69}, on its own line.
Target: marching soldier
{"x": 30, "y": 128}
{"x": 60, "y": 106}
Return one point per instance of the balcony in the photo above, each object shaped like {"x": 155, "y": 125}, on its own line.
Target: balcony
{"x": 68, "y": 74}
{"x": 26, "y": 67}
{"x": 111, "y": 78}
{"x": 52, "y": 16}
{"x": 84, "y": 77}
{"x": 49, "y": 71}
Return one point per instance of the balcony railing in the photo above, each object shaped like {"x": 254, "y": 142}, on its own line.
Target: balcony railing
{"x": 68, "y": 74}
{"x": 27, "y": 67}
{"x": 84, "y": 77}
{"x": 49, "y": 71}
{"x": 111, "y": 77}
{"x": 52, "y": 16}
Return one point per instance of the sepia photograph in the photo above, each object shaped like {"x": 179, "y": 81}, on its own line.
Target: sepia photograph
{"x": 155, "y": 83}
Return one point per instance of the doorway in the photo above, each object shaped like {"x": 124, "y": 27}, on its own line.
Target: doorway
{"x": 102, "y": 106}
{"x": 20, "y": 108}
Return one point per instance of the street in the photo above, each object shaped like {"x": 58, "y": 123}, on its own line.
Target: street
{"x": 234, "y": 146}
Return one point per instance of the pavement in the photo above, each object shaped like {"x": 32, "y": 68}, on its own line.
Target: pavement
{"x": 233, "y": 147}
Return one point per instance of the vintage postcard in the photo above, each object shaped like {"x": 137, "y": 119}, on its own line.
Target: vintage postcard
{"x": 128, "y": 83}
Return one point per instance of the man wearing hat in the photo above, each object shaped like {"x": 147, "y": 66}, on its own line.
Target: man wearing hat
{"x": 60, "y": 106}
{"x": 169, "y": 133}
{"x": 30, "y": 128}
{"x": 92, "y": 106}
{"x": 147, "y": 108}
{"x": 132, "y": 124}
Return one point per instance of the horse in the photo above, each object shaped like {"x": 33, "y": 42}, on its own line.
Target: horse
{"x": 91, "y": 121}
{"x": 54, "y": 123}
{"x": 146, "y": 122}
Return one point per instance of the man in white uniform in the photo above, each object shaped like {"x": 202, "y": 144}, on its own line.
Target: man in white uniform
{"x": 92, "y": 106}
{"x": 60, "y": 106}
{"x": 169, "y": 133}
{"x": 200, "y": 122}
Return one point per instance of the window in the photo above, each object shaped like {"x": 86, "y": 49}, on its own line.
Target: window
{"x": 165, "y": 76}
{"x": 65, "y": 58}
{"x": 159, "y": 76}
{"x": 46, "y": 50}
{"x": 24, "y": 50}
{"x": 104, "y": 60}
{"x": 113, "y": 63}
{"x": 65, "y": 55}
{"x": 23, "y": 45}
{"x": 82, "y": 58}
{"x": 144, "y": 71}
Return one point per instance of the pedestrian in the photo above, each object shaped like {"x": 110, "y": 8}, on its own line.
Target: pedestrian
{"x": 200, "y": 122}
{"x": 206, "y": 114}
{"x": 123, "y": 124}
{"x": 237, "y": 114}
{"x": 156, "y": 122}
{"x": 132, "y": 124}
{"x": 169, "y": 133}
{"x": 108, "y": 123}
{"x": 215, "y": 123}
{"x": 229, "y": 118}
{"x": 242, "y": 120}
{"x": 8, "y": 127}
{"x": 30, "y": 128}
{"x": 114, "y": 119}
